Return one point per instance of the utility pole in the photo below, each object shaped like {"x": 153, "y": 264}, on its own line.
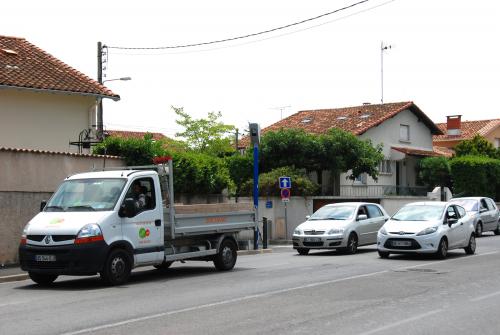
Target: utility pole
{"x": 382, "y": 49}
{"x": 281, "y": 108}
{"x": 236, "y": 140}
{"x": 99, "y": 105}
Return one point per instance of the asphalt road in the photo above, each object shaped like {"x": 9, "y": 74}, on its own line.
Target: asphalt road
{"x": 278, "y": 293}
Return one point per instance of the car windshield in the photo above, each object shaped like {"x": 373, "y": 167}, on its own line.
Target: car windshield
{"x": 333, "y": 213}
{"x": 419, "y": 213}
{"x": 81, "y": 195}
{"x": 469, "y": 204}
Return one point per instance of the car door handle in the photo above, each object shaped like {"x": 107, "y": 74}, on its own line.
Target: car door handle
{"x": 158, "y": 223}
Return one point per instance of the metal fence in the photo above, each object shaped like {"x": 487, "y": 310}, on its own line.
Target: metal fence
{"x": 362, "y": 191}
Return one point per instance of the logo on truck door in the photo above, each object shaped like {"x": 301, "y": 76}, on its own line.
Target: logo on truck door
{"x": 144, "y": 232}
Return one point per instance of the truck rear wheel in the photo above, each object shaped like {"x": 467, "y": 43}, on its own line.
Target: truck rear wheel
{"x": 117, "y": 268}
{"x": 226, "y": 257}
{"x": 42, "y": 279}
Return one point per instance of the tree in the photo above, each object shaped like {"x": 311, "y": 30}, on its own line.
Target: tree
{"x": 240, "y": 170}
{"x": 337, "y": 151}
{"x": 209, "y": 135}
{"x": 477, "y": 146}
{"x": 435, "y": 171}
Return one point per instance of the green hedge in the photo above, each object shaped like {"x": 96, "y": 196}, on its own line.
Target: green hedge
{"x": 476, "y": 176}
{"x": 269, "y": 183}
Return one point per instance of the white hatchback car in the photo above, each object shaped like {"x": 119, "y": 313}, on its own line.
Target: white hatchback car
{"x": 343, "y": 226}
{"x": 427, "y": 227}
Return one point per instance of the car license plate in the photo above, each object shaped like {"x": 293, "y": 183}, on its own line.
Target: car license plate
{"x": 45, "y": 258}
{"x": 312, "y": 239}
{"x": 401, "y": 243}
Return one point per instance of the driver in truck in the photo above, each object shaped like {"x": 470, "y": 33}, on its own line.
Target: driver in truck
{"x": 138, "y": 195}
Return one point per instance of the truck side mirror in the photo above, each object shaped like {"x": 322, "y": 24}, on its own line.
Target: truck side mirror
{"x": 43, "y": 204}
{"x": 127, "y": 209}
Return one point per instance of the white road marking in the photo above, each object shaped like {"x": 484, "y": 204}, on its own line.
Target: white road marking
{"x": 219, "y": 303}
{"x": 487, "y": 296}
{"x": 395, "y": 324}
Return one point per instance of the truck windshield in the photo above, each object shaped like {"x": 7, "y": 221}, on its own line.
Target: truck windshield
{"x": 83, "y": 195}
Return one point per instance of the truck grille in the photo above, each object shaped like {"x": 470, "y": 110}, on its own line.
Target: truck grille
{"x": 55, "y": 238}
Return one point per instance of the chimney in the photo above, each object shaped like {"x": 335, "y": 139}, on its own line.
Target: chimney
{"x": 454, "y": 125}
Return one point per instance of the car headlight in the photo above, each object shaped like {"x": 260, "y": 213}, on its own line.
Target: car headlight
{"x": 335, "y": 231}
{"x": 428, "y": 231}
{"x": 297, "y": 231}
{"x": 383, "y": 231}
{"x": 89, "y": 233}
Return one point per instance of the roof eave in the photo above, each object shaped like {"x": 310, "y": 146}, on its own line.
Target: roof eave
{"x": 44, "y": 90}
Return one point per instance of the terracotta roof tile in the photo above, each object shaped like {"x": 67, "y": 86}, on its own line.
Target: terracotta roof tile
{"x": 443, "y": 151}
{"x": 24, "y": 65}
{"x": 34, "y": 151}
{"x": 135, "y": 134}
{"x": 468, "y": 130}
{"x": 356, "y": 120}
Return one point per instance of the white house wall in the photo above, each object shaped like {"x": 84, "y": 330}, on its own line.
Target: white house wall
{"x": 387, "y": 133}
{"x": 43, "y": 121}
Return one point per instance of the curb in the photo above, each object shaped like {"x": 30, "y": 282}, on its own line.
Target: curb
{"x": 11, "y": 278}
{"x": 254, "y": 252}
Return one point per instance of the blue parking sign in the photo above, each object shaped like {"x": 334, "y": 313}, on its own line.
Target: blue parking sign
{"x": 285, "y": 182}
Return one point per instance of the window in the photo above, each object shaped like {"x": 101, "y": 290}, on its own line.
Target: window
{"x": 483, "y": 205}
{"x": 497, "y": 142}
{"x": 143, "y": 192}
{"x": 374, "y": 211}
{"x": 385, "y": 167}
{"x": 362, "y": 211}
{"x": 491, "y": 204}
{"x": 404, "y": 132}
{"x": 461, "y": 211}
{"x": 451, "y": 213}
{"x": 361, "y": 179}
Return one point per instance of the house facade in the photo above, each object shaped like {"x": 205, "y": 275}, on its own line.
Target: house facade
{"x": 455, "y": 131}
{"x": 44, "y": 103}
{"x": 402, "y": 128}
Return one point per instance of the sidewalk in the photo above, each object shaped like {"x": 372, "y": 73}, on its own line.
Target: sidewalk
{"x": 11, "y": 273}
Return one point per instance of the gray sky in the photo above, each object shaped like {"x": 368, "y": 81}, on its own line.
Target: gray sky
{"x": 445, "y": 55}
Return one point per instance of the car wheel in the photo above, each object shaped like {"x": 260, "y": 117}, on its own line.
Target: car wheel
{"x": 442, "y": 251}
{"x": 383, "y": 254}
{"x": 42, "y": 279}
{"x": 471, "y": 247}
{"x": 303, "y": 251}
{"x": 479, "y": 229}
{"x": 497, "y": 231}
{"x": 163, "y": 266}
{"x": 352, "y": 244}
{"x": 226, "y": 258}
{"x": 117, "y": 268}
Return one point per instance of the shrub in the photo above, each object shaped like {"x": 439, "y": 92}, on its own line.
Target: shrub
{"x": 435, "y": 171}
{"x": 269, "y": 183}
{"x": 476, "y": 176}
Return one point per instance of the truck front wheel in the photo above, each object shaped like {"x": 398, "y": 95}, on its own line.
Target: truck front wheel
{"x": 226, "y": 257}
{"x": 117, "y": 268}
{"x": 42, "y": 279}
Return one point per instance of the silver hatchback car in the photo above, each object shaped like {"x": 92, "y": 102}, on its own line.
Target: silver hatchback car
{"x": 342, "y": 226}
{"x": 485, "y": 213}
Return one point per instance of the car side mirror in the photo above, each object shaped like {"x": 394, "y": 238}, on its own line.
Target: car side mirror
{"x": 482, "y": 210}
{"x": 43, "y": 203}
{"x": 307, "y": 217}
{"x": 451, "y": 221}
{"x": 362, "y": 217}
{"x": 127, "y": 209}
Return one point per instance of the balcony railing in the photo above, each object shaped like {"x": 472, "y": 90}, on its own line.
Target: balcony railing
{"x": 361, "y": 191}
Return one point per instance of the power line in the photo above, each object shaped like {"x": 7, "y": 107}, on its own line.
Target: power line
{"x": 242, "y": 36}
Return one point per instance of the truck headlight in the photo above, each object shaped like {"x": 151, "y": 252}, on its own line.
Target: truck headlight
{"x": 428, "y": 231}
{"x": 89, "y": 233}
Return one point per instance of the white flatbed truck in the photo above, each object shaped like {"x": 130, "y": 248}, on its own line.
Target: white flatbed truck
{"x": 94, "y": 223}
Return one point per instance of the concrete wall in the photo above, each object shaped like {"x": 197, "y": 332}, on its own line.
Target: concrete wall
{"x": 44, "y": 121}
{"x": 27, "y": 178}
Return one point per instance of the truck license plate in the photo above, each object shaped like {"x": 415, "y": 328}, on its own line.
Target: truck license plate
{"x": 312, "y": 239}
{"x": 401, "y": 243}
{"x": 45, "y": 258}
